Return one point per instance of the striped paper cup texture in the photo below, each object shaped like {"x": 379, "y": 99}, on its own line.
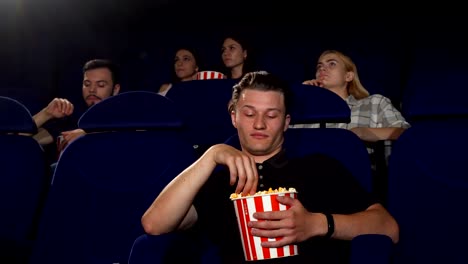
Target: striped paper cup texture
{"x": 207, "y": 75}
{"x": 245, "y": 207}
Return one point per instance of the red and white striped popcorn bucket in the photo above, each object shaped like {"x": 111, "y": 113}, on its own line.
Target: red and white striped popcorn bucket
{"x": 207, "y": 75}
{"x": 245, "y": 208}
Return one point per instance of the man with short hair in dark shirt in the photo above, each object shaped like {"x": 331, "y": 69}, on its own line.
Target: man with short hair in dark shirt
{"x": 331, "y": 209}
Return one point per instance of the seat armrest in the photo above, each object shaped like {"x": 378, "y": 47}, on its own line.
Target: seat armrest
{"x": 371, "y": 248}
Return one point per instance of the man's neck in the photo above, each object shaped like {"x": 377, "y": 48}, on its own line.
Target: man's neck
{"x": 263, "y": 158}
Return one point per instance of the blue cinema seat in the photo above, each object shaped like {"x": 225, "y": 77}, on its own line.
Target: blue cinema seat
{"x": 23, "y": 181}
{"x": 316, "y": 105}
{"x": 428, "y": 179}
{"x": 106, "y": 179}
{"x": 203, "y": 105}
{"x": 174, "y": 247}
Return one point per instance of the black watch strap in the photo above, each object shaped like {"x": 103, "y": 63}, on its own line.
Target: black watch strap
{"x": 331, "y": 225}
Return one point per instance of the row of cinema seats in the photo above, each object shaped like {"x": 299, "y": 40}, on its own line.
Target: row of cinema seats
{"x": 102, "y": 184}
{"x": 105, "y": 180}
{"x": 136, "y": 143}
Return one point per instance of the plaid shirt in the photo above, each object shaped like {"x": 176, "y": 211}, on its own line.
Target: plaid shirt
{"x": 374, "y": 111}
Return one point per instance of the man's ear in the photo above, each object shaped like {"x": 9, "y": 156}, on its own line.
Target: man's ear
{"x": 233, "y": 118}
{"x": 287, "y": 122}
{"x": 116, "y": 89}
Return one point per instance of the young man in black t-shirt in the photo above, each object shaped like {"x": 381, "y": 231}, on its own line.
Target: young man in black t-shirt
{"x": 331, "y": 208}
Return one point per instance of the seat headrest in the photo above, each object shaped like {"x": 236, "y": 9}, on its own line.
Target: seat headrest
{"x": 207, "y": 97}
{"x": 440, "y": 95}
{"x": 215, "y": 87}
{"x": 312, "y": 104}
{"x": 436, "y": 85}
{"x": 15, "y": 117}
{"x": 132, "y": 110}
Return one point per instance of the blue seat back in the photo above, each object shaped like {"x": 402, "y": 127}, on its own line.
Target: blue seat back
{"x": 428, "y": 192}
{"x": 15, "y": 117}
{"x": 371, "y": 249}
{"x": 436, "y": 92}
{"x": 130, "y": 111}
{"x": 174, "y": 247}
{"x": 340, "y": 144}
{"x": 105, "y": 181}
{"x": 313, "y": 104}
{"x": 428, "y": 182}
{"x": 23, "y": 180}
{"x": 203, "y": 104}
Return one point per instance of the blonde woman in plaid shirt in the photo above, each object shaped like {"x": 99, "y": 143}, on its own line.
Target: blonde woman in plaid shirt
{"x": 373, "y": 117}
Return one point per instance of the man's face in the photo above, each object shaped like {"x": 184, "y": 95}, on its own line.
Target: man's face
{"x": 260, "y": 121}
{"x": 98, "y": 85}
